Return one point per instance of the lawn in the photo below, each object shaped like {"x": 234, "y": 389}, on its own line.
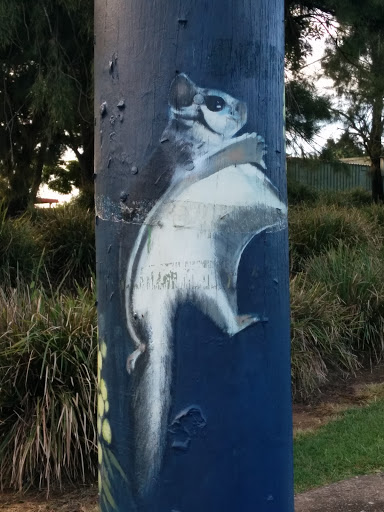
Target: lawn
{"x": 349, "y": 446}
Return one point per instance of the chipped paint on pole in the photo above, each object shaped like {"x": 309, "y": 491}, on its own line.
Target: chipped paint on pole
{"x": 192, "y": 259}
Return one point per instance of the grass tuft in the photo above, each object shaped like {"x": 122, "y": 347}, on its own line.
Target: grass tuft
{"x": 69, "y": 239}
{"x": 356, "y": 277}
{"x": 21, "y": 249}
{"x": 314, "y": 231}
{"x": 48, "y": 387}
{"x": 321, "y": 327}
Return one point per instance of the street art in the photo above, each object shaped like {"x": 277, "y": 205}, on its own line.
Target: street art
{"x": 189, "y": 247}
{"x": 107, "y": 460}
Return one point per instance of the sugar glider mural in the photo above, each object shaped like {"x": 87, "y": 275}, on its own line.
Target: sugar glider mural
{"x": 189, "y": 247}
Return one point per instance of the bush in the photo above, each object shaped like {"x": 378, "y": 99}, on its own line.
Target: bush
{"x": 314, "y": 231}
{"x": 357, "y": 278}
{"x": 356, "y": 197}
{"x": 48, "y": 387}
{"x": 300, "y": 193}
{"x": 375, "y": 215}
{"x": 321, "y": 327}
{"x": 21, "y": 250}
{"x": 69, "y": 237}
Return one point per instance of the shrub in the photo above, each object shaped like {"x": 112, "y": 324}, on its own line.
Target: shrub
{"x": 375, "y": 215}
{"x": 21, "y": 249}
{"x": 356, "y": 197}
{"x": 48, "y": 387}
{"x": 69, "y": 236}
{"x": 321, "y": 327}
{"x": 300, "y": 193}
{"x": 313, "y": 231}
{"x": 357, "y": 278}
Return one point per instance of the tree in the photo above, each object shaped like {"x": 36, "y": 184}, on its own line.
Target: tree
{"x": 306, "y": 109}
{"x": 346, "y": 147}
{"x": 355, "y": 62}
{"x": 304, "y": 19}
{"x": 46, "y": 58}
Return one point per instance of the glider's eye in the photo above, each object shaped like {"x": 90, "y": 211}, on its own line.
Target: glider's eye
{"x": 214, "y": 103}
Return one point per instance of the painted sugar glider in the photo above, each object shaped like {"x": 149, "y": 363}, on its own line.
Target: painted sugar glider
{"x": 189, "y": 247}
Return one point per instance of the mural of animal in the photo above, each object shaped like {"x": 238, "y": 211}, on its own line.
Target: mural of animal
{"x": 189, "y": 247}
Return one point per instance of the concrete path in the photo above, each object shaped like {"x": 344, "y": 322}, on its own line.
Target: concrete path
{"x": 359, "y": 494}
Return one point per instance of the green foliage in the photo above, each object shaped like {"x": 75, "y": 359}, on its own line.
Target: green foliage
{"x": 356, "y": 276}
{"x": 21, "y": 249}
{"x": 304, "y": 19}
{"x": 305, "y": 110}
{"x": 375, "y": 215}
{"x": 346, "y": 147}
{"x": 69, "y": 239}
{"x": 321, "y": 328}
{"x": 350, "y": 446}
{"x": 314, "y": 231}
{"x": 356, "y": 197}
{"x": 355, "y": 62}
{"x": 46, "y": 59}
{"x": 337, "y": 290}
{"x": 63, "y": 177}
{"x": 300, "y": 193}
{"x": 55, "y": 246}
{"x": 48, "y": 387}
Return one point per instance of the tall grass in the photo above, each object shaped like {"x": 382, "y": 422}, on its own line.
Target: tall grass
{"x": 47, "y": 386}
{"x": 356, "y": 197}
{"x": 315, "y": 230}
{"x": 54, "y": 246}
{"x": 356, "y": 276}
{"x": 321, "y": 329}
{"x": 69, "y": 240}
{"x": 298, "y": 193}
{"x": 21, "y": 249}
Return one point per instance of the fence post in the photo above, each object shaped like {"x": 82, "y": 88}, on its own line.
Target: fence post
{"x": 192, "y": 257}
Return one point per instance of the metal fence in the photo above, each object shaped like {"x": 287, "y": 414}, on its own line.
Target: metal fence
{"x": 329, "y": 176}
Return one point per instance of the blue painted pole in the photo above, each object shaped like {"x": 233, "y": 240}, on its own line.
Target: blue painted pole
{"x": 192, "y": 257}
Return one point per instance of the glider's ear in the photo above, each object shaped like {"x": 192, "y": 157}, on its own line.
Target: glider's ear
{"x": 182, "y": 92}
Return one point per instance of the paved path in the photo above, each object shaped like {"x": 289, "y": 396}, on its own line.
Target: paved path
{"x": 359, "y": 494}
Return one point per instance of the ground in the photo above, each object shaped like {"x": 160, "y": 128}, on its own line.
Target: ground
{"x": 71, "y": 500}
{"x": 360, "y": 494}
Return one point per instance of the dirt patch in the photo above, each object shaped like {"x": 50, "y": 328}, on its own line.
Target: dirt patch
{"x": 366, "y": 386}
{"x": 71, "y": 500}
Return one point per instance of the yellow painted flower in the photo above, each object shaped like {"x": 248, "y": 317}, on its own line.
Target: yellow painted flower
{"x": 100, "y": 405}
{"x": 106, "y": 431}
{"x": 103, "y": 389}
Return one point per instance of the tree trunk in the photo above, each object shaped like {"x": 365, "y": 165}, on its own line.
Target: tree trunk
{"x": 37, "y": 174}
{"x": 192, "y": 257}
{"x": 375, "y": 149}
{"x": 377, "y": 181}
